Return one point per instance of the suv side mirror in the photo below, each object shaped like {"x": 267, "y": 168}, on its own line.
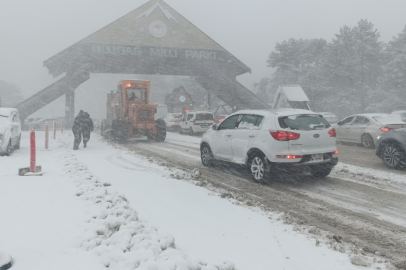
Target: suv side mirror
{"x": 339, "y": 123}
{"x": 214, "y": 127}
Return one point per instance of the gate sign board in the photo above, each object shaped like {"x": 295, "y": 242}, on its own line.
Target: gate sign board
{"x": 153, "y": 39}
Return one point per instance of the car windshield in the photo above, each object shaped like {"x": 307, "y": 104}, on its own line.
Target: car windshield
{"x": 3, "y": 120}
{"x": 136, "y": 93}
{"x": 204, "y": 116}
{"x": 388, "y": 120}
{"x": 303, "y": 122}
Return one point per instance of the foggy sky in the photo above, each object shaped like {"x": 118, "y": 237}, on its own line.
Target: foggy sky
{"x": 32, "y": 31}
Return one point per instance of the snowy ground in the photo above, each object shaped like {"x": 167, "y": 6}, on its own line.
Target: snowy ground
{"x": 106, "y": 207}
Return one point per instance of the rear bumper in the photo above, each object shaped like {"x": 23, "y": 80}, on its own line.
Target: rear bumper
{"x": 306, "y": 165}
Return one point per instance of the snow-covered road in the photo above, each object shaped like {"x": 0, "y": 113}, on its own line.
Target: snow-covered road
{"x": 108, "y": 206}
{"x": 362, "y": 205}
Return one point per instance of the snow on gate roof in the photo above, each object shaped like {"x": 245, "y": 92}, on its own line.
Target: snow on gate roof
{"x": 293, "y": 92}
{"x": 152, "y": 31}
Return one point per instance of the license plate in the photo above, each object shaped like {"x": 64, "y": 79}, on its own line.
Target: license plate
{"x": 317, "y": 157}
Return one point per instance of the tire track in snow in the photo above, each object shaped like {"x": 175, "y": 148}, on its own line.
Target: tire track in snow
{"x": 364, "y": 230}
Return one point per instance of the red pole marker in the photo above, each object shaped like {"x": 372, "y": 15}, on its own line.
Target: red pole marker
{"x": 32, "y": 156}
{"x": 46, "y": 135}
{"x": 54, "y": 130}
{"x": 62, "y": 124}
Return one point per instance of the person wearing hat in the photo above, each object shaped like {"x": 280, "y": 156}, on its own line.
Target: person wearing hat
{"x": 77, "y": 129}
{"x": 87, "y": 128}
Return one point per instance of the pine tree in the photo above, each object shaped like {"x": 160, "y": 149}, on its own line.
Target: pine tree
{"x": 392, "y": 95}
{"x": 352, "y": 67}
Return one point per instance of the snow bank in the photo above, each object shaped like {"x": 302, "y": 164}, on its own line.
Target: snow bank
{"x": 117, "y": 235}
{"x": 73, "y": 218}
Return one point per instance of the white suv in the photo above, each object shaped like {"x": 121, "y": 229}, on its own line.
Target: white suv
{"x": 196, "y": 122}
{"x": 267, "y": 139}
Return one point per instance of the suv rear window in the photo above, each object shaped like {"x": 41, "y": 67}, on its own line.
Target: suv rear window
{"x": 303, "y": 122}
{"x": 204, "y": 116}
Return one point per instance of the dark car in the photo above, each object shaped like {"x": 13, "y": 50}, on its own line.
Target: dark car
{"x": 391, "y": 148}
{"x": 220, "y": 118}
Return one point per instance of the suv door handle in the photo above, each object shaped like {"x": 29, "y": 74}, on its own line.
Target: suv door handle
{"x": 251, "y": 136}
{"x": 228, "y": 135}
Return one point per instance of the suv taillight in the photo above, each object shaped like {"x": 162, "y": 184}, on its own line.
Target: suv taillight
{"x": 280, "y": 135}
{"x": 332, "y": 132}
{"x": 386, "y": 129}
{"x": 194, "y": 122}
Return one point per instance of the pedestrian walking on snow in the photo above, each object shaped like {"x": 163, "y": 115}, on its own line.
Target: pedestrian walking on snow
{"x": 77, "y": 129}
{"x": 87, "y": 128}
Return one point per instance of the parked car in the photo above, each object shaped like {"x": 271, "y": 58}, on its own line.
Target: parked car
{"x": 365, "y": 128}
{"x": 266, "y": 139}
{"x": 330, "y": 117}
{"x": 400, "y": 114}
{"x": 391, "y": 148}
{"x": 172, "y": 120}
{"x": 196, "y": 122}
{"x": 10, "y": 130}
{"x": 219, "y": 118}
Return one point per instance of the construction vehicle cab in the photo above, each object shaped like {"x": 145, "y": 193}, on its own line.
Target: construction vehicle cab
{"x": 130, "y": 115}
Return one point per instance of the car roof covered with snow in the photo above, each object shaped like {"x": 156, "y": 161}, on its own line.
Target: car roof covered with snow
{"x": 371, "y": 114}
{"x": 326, "y": 113}
{"x": 200, "y": 112}
{"x": 7, "y": 111}
{"x": 383, "y": 118}
{"x": 281, "y": 112}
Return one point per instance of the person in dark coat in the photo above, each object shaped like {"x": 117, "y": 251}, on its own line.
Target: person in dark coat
{"x": 87, "y": 128}
{"x": 77, "y": 129}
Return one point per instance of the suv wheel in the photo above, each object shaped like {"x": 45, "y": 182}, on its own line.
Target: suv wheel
{"x": 393, "y": 156}
{"x": 257, "y": 167}
{"x": 322, "y": 172}
{"x": 161, "y": 125}
{"x": 206, "y": 156}
{"x": 367, "y": 141}
{"x": 191, "y": 131}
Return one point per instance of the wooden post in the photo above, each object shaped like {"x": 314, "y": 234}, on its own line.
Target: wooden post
{"x": 32, "y": 155}
{"x": 46, "y": 135}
